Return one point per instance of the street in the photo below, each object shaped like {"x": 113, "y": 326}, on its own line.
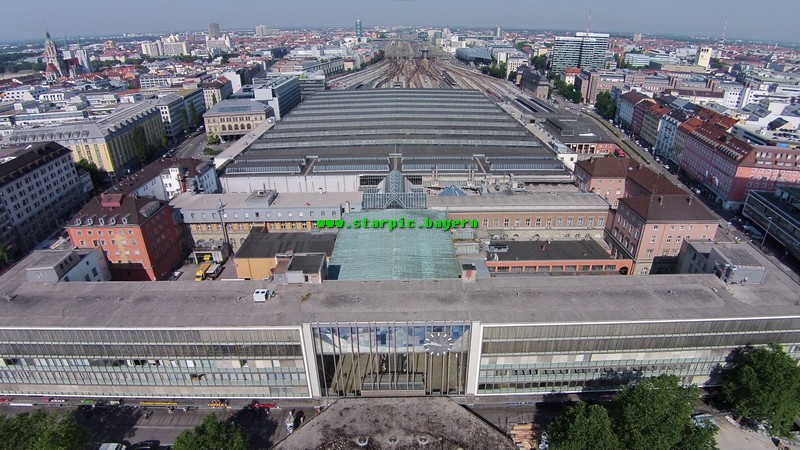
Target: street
{"x": 192, "y": 147}
{"x": 262, "y": 428}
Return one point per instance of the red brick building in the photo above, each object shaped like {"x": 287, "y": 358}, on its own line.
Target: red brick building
{"x": 137, "y": 234}
{"x": 638, "y": 115}
{"x": 728, "y": 167}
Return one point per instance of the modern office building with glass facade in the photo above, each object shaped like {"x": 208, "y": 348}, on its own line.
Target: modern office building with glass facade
{"x": 486, "y": 338}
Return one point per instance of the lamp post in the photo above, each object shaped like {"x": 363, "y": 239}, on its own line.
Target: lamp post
{"x": 221, "y": 211}
{"x": 764, "y": 240}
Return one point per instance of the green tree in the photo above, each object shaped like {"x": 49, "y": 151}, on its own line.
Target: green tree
{"x": 605, "y": 106}
{"x": 655, "y": 414}
{"x": 186, "y": 125}
{"x": 40, "y": 431}
{"x": 164, "y": 143}
{"x": 213, "y": 99}
{"x": 212, "y": 139}
{"x": 140, "y": 145}
{"x": 193, "y": 117}
{"x": 94, "y": 172}
{"x": 569, "y": 91}
{"x": 5, "y": 255}
{"x": 698, "y": 437}
{"x": 763, "y": 383}
{"x": 211, "y": 434}
{"x": 539, "y": 62}
{"x": 583, "y": 427}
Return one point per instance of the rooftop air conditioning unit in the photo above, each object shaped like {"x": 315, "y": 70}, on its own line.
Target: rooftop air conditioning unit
{"x": 261, "y": 295}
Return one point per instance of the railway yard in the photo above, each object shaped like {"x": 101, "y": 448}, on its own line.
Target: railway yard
{"x": 412, "y": 64}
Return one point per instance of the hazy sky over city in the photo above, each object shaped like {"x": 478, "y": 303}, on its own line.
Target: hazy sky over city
{"x": 768, "y": 20}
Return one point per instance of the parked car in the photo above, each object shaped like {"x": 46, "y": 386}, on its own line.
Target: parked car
{"x": 753, "y": 232}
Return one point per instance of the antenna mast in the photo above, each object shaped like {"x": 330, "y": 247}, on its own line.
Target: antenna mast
{"x": 724, "y": 31}
{"x": 589, "y": 21}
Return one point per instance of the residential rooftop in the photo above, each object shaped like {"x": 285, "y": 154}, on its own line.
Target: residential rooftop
{"x": 669, "y": 208}
{"x": 191, "y": 168}
{"x": 18, "y": 160}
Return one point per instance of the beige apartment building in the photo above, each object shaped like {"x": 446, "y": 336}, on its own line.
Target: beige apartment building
{"x": 232, "y": 119}
{"x": 107, "y": 142}
{"x": 543, "y": 215}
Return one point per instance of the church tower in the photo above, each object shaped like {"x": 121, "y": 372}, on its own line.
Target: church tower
{"x": 52, "y": 59}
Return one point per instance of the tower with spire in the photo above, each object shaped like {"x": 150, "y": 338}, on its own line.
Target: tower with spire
{"x": 53, "y": 60}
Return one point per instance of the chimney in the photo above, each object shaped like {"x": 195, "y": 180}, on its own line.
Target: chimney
{"x": 689, "y": 199}
{"x": 660, "y": 200}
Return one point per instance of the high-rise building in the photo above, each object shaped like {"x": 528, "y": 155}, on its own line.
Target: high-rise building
{"x": 213, "y": 30}
{"x": 584, "y": 50}
{"x": 40, "y": 186}
{"x": 174, "y": 45}
{"x": 359, "y": 29}
{"x": 637, "y": 37}
{"x": 499, "y": 32}
{"x": 154, "y": 49}
{"x": 261, "y": 30}
{"x": 83, "y": 59}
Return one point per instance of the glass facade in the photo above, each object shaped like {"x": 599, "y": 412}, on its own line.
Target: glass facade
{"x": 224, "y": 362}
{"x": 386, "y": 359}
{"x": 571, "y": 358}
{"x": 372, "y": 358}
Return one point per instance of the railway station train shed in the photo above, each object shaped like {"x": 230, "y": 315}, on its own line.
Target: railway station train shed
{"x": 344, "y": 141}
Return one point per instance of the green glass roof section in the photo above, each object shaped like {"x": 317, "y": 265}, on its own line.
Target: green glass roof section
{"x": 400, "y": 254}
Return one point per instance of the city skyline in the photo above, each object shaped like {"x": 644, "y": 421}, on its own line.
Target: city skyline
{"x": 30, "y": 19}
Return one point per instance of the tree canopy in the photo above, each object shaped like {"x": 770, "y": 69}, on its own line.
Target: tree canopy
{"x": 140, "y": 145}
{"x": 583, "y": 427}
{"x": 763, "y": 383}
{"x": 605, "y": 106}
{"x": 40, "y": 431}
{"x": 94, "y": 171}
{"x": 539, "y": 62}
{"x": 655, "y": 414}
{"x": 569, "y": 91}
{"x": 211, "y": 434}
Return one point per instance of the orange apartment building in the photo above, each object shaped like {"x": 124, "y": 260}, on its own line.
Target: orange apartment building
{"x": 651, "y": 230}
{"x": 137, "y": 235}
{"x": 554, "y": 258}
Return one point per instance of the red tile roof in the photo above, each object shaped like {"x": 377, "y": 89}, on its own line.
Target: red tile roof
{"x": 669, "y": 208}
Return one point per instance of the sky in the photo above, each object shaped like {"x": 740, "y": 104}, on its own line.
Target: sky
{"x": 772, "y": 20}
